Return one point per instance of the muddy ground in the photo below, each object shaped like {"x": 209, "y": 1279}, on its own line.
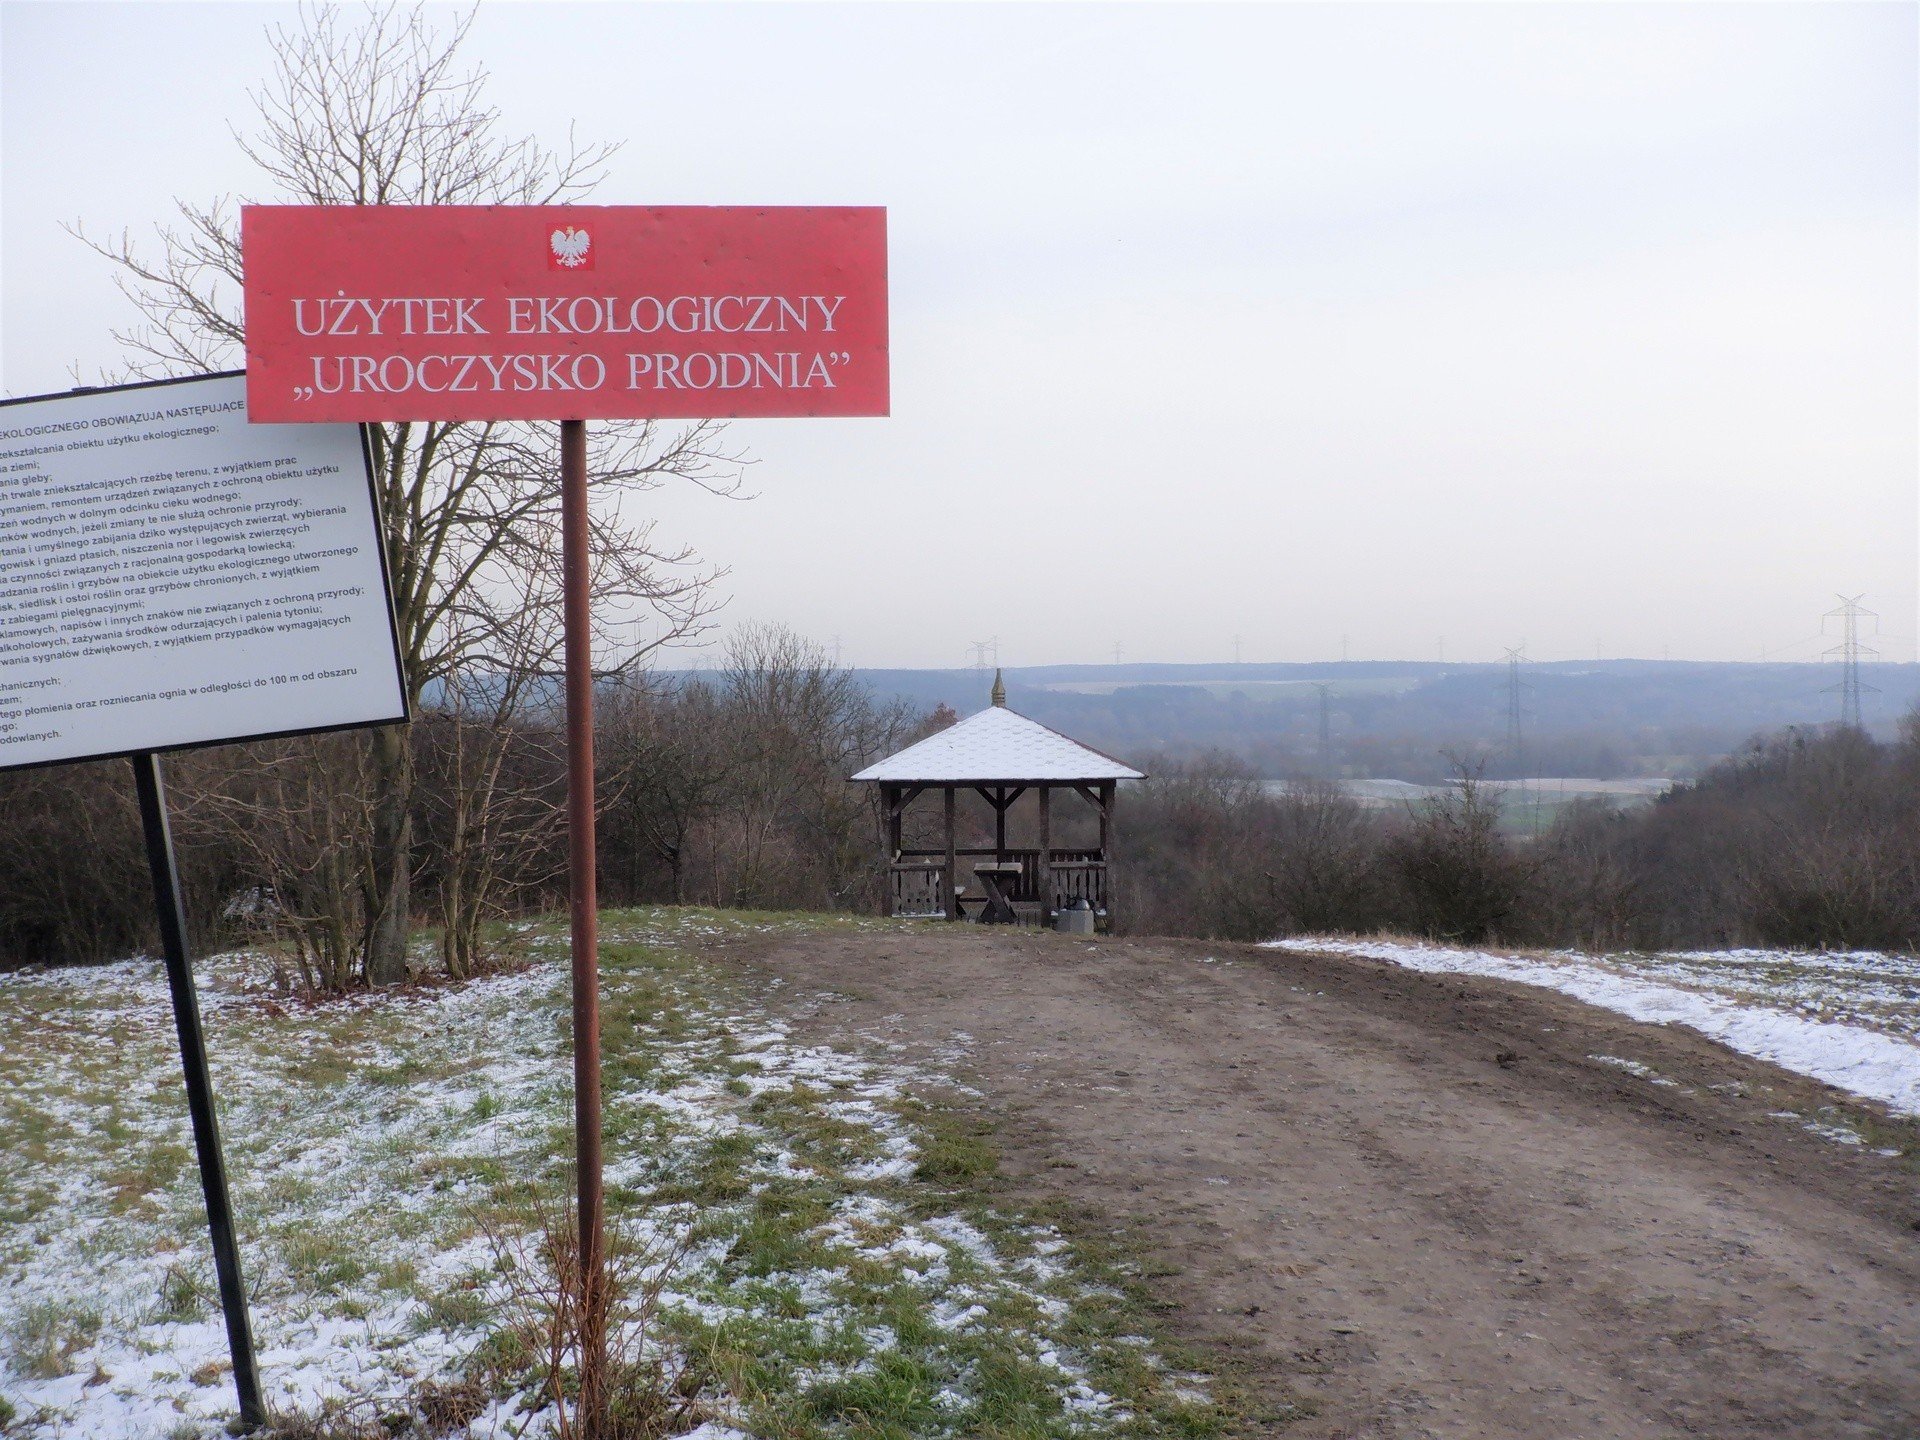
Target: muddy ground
{"x": 1415, "y": 1202}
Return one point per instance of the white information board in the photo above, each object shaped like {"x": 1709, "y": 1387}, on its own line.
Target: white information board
{"x": 171, "y": 575}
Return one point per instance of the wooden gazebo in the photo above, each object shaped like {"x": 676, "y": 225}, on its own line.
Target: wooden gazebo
{"x": 1000, "y": 755}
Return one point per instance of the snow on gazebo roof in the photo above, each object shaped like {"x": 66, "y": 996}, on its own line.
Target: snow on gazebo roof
{"x": 996, "y": 745}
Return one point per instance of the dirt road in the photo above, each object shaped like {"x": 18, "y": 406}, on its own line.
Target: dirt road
{"x": 1417, "y": 1201}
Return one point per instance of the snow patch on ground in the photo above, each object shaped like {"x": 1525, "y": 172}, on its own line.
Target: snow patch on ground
{"x": 1850, "y": 1020}
{"x": 363, "y": 1137}
{"x": 1634, "y": 1067}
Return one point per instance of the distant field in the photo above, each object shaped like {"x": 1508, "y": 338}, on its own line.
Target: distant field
{"x": 1526, "y": 806}
{"x": 1227, "y": 689}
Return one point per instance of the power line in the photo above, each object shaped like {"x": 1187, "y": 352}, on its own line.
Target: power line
{"x": 1849, "y": 612}
{"x": 1775, "y": 653}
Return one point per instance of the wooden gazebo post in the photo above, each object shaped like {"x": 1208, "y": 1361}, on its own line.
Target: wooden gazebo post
{"x": 890, "y": 808}
{"x": 953, "y": 857}
{"x": 1045, "y": 862}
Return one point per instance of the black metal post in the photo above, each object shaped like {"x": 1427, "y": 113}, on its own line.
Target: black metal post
{"x": 193, "y": 1061}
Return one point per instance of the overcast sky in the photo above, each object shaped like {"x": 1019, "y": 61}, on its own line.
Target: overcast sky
{"x": 1573, "y": 325}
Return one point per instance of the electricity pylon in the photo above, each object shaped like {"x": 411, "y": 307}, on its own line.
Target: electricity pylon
{"x": 1516, "y": 737}
{"x": 1849, "y": 613}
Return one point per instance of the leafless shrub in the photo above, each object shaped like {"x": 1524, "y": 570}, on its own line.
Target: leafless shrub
{"x": 664, "y": 774}
{"x": 1462, "y": 880}
{"x": 299, "y": 811}
{"x": 1833, "y": 856}
{"x": 73, "y": 883}
{"x": 737, "y": 787}
{"x": 1586, "y": 890}
{"x": 434, "y": 1408}
{"x": 448, "y": 1407}
{"x": 1323, "y": 864}
{"x": 1206, "y": 848}
{"x": 647, "y": 1389}
{"x": 1807, "y": 838}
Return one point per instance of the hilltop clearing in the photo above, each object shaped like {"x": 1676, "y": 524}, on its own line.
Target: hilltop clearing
{"x": 918, "y": 1180}
{"x": 1436, "y": 1205}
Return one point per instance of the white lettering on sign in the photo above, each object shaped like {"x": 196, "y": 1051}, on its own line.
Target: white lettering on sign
{"x": 346, "y": 315}
{"x": 564, "y": 373}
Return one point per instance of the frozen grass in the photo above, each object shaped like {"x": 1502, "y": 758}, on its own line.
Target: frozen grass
{"x": 1850, "y": 1019}
{"x": 843, "y": 1270}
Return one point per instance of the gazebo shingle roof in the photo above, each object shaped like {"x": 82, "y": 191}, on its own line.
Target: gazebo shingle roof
{"x": 996, "y": 744}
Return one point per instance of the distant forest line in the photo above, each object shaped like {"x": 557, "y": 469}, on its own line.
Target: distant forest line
{"x": 730, "y": 788}
{"x": 1596, "y": 719}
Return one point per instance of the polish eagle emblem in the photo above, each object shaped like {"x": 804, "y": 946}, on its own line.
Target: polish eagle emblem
{"x": 570, "y": 246}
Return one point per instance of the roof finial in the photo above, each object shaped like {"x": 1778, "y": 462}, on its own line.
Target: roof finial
{"x": 999, "y": 690}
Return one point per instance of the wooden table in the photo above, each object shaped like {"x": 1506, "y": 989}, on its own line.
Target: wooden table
{"x": 996, "y": 880}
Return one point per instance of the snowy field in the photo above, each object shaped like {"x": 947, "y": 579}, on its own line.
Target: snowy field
{"x": 1850, "y": 1019}
{"x": 387, "y": 1157}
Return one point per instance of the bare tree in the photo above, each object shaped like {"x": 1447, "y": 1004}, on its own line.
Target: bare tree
{"x": 493, "y": 798}
{"x": 738, "y": 788}
{"x": 381, "y": 113}
{"x": 665, "y": 752}
{"x": 801, "y": 726}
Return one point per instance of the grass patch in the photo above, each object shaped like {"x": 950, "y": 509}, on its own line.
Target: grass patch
{"x": 847, "y": 1260}
{"x": 45, "y": 1334}
{"x": 183, "y": 1299}
{"x": 324, "y": 1262}
{"x": 453, "y": 1310}
{"x": 957, "y": 1150}
{"x": 485, "y": 1106}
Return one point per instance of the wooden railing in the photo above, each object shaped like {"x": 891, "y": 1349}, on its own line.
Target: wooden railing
{"x": 919, "y": 890}
{"x": 918, "y": 879}
{"x": 1080, "y": 880}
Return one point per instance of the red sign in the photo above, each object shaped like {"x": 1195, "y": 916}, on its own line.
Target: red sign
{"x": 574, "y": 312}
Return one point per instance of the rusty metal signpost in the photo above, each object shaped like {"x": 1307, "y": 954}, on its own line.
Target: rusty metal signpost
{"x": 567, "y": 313}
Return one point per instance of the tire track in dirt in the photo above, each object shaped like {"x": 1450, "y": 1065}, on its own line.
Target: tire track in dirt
{"x": 1370, "y": 1205}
